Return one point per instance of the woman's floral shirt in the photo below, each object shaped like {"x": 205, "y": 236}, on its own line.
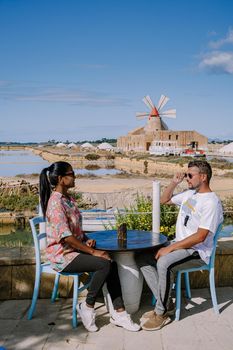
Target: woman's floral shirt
{"x": 63, "y": 220}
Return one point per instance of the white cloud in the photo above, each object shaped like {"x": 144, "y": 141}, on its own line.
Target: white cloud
{"x": 4, "y": 83}
{"x": 34, "y": 92}
{"x": 221, "y": 42}
{"x": 218, "y": 62}
{"x": 211, "y": 33}
{"x": 91, "y": 66}
{"x": 80, "y": 98}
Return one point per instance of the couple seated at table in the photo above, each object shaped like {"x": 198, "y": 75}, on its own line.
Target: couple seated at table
{"x": 70, "y": 250}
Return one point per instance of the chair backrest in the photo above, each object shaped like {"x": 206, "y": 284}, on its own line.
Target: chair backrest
{"x": 39, "y": 235}
{"x": 216, "y": 236}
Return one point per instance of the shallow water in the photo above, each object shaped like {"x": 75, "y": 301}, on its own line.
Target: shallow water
{"x": 20, "y": 162}
{"x": 14, "y": 163}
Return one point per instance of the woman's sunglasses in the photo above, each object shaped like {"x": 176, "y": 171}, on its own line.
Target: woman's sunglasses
{"x": 70, "y": 173}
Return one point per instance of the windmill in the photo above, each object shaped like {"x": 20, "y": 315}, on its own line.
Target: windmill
{"x": 156, "y": 114}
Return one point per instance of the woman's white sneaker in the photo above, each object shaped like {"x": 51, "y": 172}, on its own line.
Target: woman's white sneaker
{"x": 123, "y": 319}
{"x": 87, "y": 315}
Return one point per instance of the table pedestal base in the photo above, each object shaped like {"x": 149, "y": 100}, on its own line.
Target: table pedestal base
{"x": 131, "y": 282}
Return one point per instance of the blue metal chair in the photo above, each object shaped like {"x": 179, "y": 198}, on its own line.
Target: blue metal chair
{"x": 187, "y": 288}
{"x": 209, "y": 267}
{"x": 46, "y": 267}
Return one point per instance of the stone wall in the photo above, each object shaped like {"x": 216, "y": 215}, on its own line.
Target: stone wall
{"x": 147, "y": 167}
{"x": 76, "y": 159}
{"x": 17, "y": 270}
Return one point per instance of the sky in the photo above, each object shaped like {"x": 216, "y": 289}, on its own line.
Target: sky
{"x": 78, "y": 69}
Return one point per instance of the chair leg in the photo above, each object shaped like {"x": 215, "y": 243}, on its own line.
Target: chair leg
{"x": 55, "y": 287}
{"x": 107, "y": 299}
{"x": 178, "y": 295}
{"x": 187, "y": 285}
{"x": 35, "y": 295}
{"x": 213, "y": 291}
{"x": 75, "y": 299}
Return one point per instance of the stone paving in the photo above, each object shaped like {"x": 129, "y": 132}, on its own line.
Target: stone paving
{"x": 198, "y": 329}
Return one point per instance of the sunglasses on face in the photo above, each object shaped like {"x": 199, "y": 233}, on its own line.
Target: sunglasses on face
{"x": 70, "y": 173}
{"x": 190, "y": 176}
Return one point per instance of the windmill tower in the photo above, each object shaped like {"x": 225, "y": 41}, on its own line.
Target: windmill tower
{"x": 155, "y": 121}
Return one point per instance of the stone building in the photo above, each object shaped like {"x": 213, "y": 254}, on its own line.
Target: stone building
{"x": 140, "y": 139}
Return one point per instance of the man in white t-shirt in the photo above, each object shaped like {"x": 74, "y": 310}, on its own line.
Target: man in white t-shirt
{"x": 199, "y": 217}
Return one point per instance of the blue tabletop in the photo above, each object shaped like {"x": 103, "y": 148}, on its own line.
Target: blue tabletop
{"x": 136, "y": 240}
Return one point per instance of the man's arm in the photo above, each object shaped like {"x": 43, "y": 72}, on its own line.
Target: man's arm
{"x": 185, "y": 243}
{"x": 168, "y": 192}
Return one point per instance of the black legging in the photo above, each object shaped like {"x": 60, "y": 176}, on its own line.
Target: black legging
{"x": 104, "y": 271}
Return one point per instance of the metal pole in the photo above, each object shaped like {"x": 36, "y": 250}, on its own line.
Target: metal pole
{"x": 156, "y": 207}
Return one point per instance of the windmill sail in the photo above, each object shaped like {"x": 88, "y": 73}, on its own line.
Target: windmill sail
{"x": 149, "y": 105}
{"x": 150, "y": 101}
{"x": 142, "y": 115}
{"x": 162, "y": 102}
{"x": 171, "y": 113}
{"x": 155, "y": 115}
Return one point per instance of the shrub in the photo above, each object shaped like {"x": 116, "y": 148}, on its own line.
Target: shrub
{"x": 17, "y": 202}
{"x": 145, "y": 167}
{"x": 92, "y": 156}
{"x": 92, "y": 167}
{"x": 110, "y": 156}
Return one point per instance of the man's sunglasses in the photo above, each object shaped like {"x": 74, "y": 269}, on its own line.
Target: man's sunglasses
{"x": 190, "y": 176}
{"x": 70, "y": 173}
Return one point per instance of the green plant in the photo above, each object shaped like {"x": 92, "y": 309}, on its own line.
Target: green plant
{"x": 168, "y": 215}
{"x": 17, "y": 202}
{"x": 19, "y": 238}
{"x": 139, "y": 217}
{"x": 228, "y": 207}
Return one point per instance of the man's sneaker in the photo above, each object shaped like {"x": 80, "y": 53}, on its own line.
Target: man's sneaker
{"x": 156, "y": 322}
{"x": 171, "y": 309}
{"x": 87, "y": 315}
{"x": 123, "y": 319}
{"x": 146, "y": 316}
